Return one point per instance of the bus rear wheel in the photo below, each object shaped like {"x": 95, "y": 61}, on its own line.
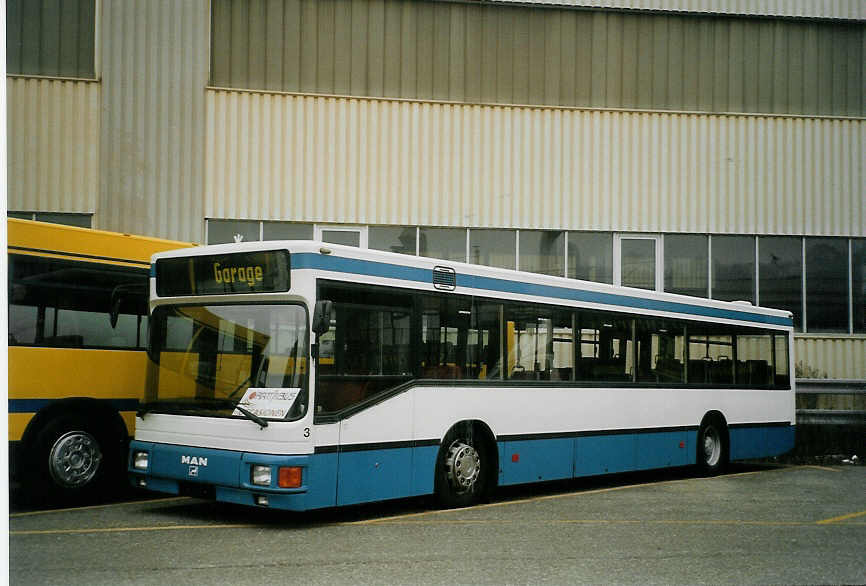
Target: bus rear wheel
{"x": 72, "y": 455}
{"x": 712, "y": 447}
{"x": 462, "y": 468}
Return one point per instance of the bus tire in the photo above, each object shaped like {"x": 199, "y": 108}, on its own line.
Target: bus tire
{"x": 463, "y": 467}
{"x": 712, "y": 445}
{"x": 73, "y": 456}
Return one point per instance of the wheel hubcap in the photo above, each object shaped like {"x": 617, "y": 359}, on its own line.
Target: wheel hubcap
{"x": 463, "y": 465}
{"x": 712, "y": 446}
{"x": 74, "y": 459}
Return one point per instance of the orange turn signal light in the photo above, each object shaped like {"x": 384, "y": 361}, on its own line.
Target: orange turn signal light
{"x": 289, "y": 477}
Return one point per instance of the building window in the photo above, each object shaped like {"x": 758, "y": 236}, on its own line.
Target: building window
{"x": 590, "y": 256}
{"x": 733, "y": 268}
{"x": 65, "y": 218}
{"x": 542, "y": 251}
{"x": 393, "y": 239}
{"x": 222, "y": 231}
{"x": 826, "y": 284}
{"x": 443, "y": 243}
{"x": 286, "y": 231}
{"x": 781, "y": 275}
{"x": 686, "y": 264}
{"x": 493, "y": 248}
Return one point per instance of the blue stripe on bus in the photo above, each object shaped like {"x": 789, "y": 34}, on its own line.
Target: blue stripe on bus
{"x": 352, "y": 477}
{"x": 34, "y": 405}
{"x": 308, "y": 260}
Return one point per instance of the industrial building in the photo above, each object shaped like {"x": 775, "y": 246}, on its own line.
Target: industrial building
{"x": 707, "y": 147}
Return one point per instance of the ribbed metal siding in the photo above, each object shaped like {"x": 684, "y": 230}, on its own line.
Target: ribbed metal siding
{"x": 50, "y": 37}
{"x": 836, "y": 9}
{"x": 483, "y": 53}
{"x": 275, "y": 156}
{"x": 154, "y": 60}
{"x": 831, "y": 357}
{"x": 52, "y": 146}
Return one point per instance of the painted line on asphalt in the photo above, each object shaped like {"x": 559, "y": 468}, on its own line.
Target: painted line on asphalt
{"x": 92, "y": 507}
{"x": 841, "y": 518}
{"x": 442, "y": 522}
{"x": 554, "y": 496}
{"x": 133, "y": 529}
{"x": 824, "y": 468}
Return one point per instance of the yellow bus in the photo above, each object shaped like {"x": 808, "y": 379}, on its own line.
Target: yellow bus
{"x": 77, "y": 336}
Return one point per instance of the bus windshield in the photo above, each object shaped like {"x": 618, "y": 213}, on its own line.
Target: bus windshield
{"x": 206, "y": 359}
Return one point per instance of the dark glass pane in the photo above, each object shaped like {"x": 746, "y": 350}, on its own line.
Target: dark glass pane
{"x": 781, "y": 275}
{"x": 368, "y": 349}
{"x": 660, "y": 351}
{"x": 223, "y": 231}
{"x": 80, "y": 220}
{"x": 606, "y": 349}
{"x": 445, "y": 327}
{"x": 443, "y": 243}
{"x": 754, "y": 354}
{"x": 858, "y": 266}
{"x": 710, "y": 353}
{"x": 287, "y": 231}
{"x": 826, "y": 285}
{"x": 542, "y": 251}
{"x": 734, "y": 268}
{"x": 60, "y": 303}
{"x": 20, "y": 215}
{"x": 493, "y": 248}
{"x": 392, "y": 239}
{"x": 686, "y": 264}
{"x": 590, "y": 256}
{"x": 344, "y": 237}
{"x": 539, "y": 343}
{"x": 638, "y": 263}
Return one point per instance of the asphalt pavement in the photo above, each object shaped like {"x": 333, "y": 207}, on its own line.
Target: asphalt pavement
{"x": 758, "y": 524}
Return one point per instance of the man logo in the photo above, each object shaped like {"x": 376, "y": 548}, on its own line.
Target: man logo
{"x": 193, "y": 460}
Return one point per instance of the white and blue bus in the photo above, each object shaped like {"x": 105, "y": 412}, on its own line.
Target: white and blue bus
{"x": 300, "y": 375}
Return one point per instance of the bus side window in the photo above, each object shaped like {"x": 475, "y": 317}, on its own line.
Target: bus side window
{"x": 62, "y": 303}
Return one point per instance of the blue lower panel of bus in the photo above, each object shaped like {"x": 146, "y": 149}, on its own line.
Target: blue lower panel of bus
{"x": 590, "y": 454}
{"x": 754, "y": 441}
{"x": 362, "y": 474}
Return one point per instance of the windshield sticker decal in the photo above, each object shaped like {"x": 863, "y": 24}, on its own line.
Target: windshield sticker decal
{"x": 273, "y": 403}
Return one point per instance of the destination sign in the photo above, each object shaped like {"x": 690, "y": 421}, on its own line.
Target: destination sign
{"x": 223, "y": 274}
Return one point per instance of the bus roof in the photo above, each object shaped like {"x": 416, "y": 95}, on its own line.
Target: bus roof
{"x": 30, "y": 236}
{"x": 418, "y": 272}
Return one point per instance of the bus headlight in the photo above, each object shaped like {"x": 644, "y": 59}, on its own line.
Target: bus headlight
{"x": 140, "y": 460}
{"x": 261, "y": 475}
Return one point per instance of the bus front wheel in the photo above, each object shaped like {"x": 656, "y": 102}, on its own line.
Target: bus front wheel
{"x": 462, "y": 468}
{"x": 71, "y": 456}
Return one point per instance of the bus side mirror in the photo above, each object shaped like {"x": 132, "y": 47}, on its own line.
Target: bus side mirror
{"x": 322, "y": 316}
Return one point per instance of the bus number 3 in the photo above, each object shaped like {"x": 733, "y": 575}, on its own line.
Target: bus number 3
{"x": 306, "y": 432}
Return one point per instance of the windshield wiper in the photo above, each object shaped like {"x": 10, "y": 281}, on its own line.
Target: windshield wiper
{"x": 250, "y": 415}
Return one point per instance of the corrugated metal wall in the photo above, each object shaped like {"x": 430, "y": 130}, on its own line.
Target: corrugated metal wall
{"x": 843, "y": 9}
{"x": 488, "y": 53}
{"x": 155, "y": 63}
{"x": 50, "y": 37}
{"x": 276, "y": 156}
{"x": 52, "y": 133}
{"x": 832, "y": 357}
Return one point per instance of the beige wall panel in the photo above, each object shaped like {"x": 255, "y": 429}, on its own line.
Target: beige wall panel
{"x": 154, "y": 58}
{"x": 841, "y": 9}
{"x": 824, "y": 356}
{"x": 322, "y": 159}
{"x": 52, "y": 145}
